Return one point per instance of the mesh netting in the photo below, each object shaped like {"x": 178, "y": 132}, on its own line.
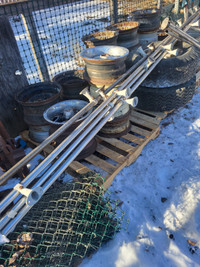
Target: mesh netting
{"x": 50, "y": 38}
{"x": 70, "y": 222}
{"x": 49, "y": 32}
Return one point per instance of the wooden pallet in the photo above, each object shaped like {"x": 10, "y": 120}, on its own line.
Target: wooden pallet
{"x": 113, "y": 154}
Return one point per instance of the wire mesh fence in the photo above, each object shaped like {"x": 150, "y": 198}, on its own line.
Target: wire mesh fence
{"x": 70, "y": 222}
{"x": 49, "y": 32}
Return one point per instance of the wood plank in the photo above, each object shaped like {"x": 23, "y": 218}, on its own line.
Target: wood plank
{"x": 158, "y": 115}
{"x": 79, "y": 168}
{"x": 119, "y": 144}
{"x": 100, "y": 163}
{"x": 153, "y": 120}
{"x": 110, "y": 153}
{"x": 133, "y": 156}
{"x": 140, "y": 131}
{"x": 110, "y": 178}
{"x": 134, "y": 139}
{"x": 141, "y": 122}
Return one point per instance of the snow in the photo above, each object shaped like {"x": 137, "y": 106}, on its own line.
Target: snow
{"x": 160, "y": 194}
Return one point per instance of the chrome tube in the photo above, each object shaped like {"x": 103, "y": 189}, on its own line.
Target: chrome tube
{"x": 13, "y": 194}
{"x": 11, "y": 225}
{"x": 39, "y": 148}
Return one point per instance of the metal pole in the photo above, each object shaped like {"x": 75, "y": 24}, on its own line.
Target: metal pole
{"x": 176, "y": 8}
{"x": 10, "y": 226}
{"x": 13, "y": 194}
{"x": 36, "y": 47}
{"x": 39, "y": 148}
{"x": 178, "y": 33}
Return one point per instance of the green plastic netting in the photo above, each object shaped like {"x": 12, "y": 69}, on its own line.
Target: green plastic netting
{"x": 69, "y": 223}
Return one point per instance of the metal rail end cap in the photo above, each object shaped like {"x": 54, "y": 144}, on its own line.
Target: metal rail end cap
{"x": 165, "y": 24}
{"x": 3, "y": 239}
{"x": 33, "y": 195}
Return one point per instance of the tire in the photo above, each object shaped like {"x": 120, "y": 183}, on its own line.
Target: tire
{"x": 149, "y": 19}
{"x": 165, "y": 99}
{"x": 175, "y": 70}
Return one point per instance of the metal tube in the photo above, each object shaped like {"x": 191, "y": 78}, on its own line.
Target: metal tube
{"x": 24, "y": 211}
{"x": 186, "y": 37}
{"x": 47, "y": 174}
{"x": 147, "y": 73}
{"x": 72, "y": 147}
{"x": 39, "y": 148}
{"x": 10, "y": 227}
{"x": 19, "y": 204}
{"x": 13, "y": 194}
{"x": 16, "y": 208}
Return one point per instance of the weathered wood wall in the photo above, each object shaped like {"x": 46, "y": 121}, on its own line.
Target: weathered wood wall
{"x": 10, "y": 83}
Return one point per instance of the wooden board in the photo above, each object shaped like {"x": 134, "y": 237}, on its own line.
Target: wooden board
{"x": 113, "y": 154}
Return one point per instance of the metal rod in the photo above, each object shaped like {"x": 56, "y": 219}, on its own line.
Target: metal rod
{"x": 81, "y": 146}
{"x": 13, "y": 194}
{"x": 39, "y": 148}
{"x": 186, "y": 37}
{"x": 147, "y": 73}
{"x": 47, "y": 174}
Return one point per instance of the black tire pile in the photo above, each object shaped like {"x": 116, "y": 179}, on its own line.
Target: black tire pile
{"x": 172, "y": 83}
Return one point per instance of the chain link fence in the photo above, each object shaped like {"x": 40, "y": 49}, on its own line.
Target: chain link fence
{"x": 70, "y": 222}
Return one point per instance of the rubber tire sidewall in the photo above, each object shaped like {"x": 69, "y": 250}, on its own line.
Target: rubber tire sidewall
{"x": 174, "y": 71}
{"x": 165, "y": 99}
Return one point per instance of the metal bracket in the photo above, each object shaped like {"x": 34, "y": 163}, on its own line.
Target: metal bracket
{"x": 11, "y": 214}
{"x": 132, "y": 101}
{"x": 3, "y": 239}
{"x": 149, "y": 62}
{"x": 87, "y": 94}
{"x": 100, "y": 91}
{"x": 141, "y": 52}
{"x": 124, "y": 93}
{"x": 178, "y": 33}
{"x": 33, "y": 195}
{"x": 168, "y": 46}
{"x": 195, "y": 24}
{"x": 173, "y": 52}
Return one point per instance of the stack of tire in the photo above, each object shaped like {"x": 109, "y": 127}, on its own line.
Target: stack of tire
{"x": 172, "y": 83}
{"x": 149, "y": 23}
{"x": 128, "y": 38}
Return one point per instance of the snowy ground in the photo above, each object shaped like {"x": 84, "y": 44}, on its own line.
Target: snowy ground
{"x": 160, "y": 194}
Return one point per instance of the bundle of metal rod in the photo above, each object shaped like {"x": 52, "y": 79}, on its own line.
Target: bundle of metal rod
{"x": 134, "y": 70}
{"x": 178, "y": 33}
{"x": 57, "y": 162}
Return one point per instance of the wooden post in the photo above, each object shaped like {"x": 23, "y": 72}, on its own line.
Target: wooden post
{"x": 12, "y": 79}
{"x": 159, "y": 5}
{"x": 34, "y": 40}
{"x": 113, "y": 11}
